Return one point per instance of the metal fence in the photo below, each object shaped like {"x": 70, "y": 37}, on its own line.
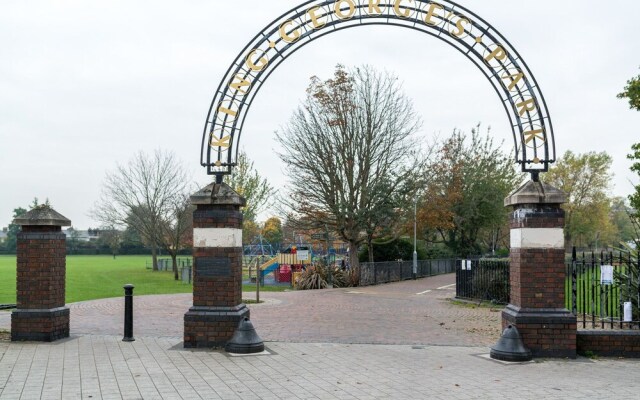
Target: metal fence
{"x": 483, "y": 279}
{"x": 601, "y": 288}
{"x": 394, "y": 271}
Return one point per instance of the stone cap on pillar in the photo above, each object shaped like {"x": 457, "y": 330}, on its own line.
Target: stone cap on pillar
{"x": 42, "y": 215}
{"x": 218, "y": 193}
{"x": 536, "y": 193}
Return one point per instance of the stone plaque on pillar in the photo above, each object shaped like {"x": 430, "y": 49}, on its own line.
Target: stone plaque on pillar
{"x": 41, "y": 314}
{"x": 217, "y": 268}
{"x": 537, "y": 272}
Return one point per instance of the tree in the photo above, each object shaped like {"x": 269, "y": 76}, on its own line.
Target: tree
{"x": 13, "y": 230}
{"x": 635, "y": 167}
{"x": 464, "y": 197}
{"x": 585, "y": 178}
{"x": 621, "y": 219}
{"x": 250, "y": 229}
{"x": 248, "y": 183}
{"x": 177, "y": 230}
{"x": 142, "y": 195}
{"x": 112, "y": 238}
{"x": 632, "y": 93}
{"x": 272, "y": 230}
{"x": 348, "y": 151}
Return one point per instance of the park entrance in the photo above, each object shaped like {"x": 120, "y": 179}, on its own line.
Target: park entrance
{"x": 537, "y": 241}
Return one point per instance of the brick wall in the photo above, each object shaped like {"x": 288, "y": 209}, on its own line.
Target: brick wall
{"x": 609, "y": 343}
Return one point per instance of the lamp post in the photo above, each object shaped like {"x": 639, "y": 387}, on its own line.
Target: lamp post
{"x": 415, "y": 224}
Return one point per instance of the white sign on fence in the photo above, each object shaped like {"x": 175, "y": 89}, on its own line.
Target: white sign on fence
{"x": 628, "y": 316}
{"x": 303, "y": 255}
{"x": 606, "y": 274}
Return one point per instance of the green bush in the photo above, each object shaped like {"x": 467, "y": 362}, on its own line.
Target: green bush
{"x": 391, "y": 251}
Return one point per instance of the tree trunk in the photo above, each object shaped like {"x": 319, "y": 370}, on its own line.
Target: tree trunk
{"x": 174, "y": 262}
{"x": 353, "y": 255}
{"x": 154, "y": 256}
{"x": 370, "y": 248}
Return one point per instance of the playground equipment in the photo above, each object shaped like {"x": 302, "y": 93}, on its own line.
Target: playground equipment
{"x": 285, "y": 265}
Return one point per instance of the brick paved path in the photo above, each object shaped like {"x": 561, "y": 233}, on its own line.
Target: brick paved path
{"x": 104, "y": 367}
{"x": 385, "y": 314}
{"x": 307, "y": 335}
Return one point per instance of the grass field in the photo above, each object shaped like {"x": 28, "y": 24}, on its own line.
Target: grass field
{"x": 98, "y": 277}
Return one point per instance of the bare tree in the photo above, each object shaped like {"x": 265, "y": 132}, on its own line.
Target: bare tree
{"x": 177, "y": 232}
{"x": 348, "y": 153}
{"x": 142, "y": 194}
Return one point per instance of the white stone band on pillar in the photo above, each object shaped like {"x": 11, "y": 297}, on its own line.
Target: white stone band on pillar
{"x": 537, "y": 238}
{"x": 217, "y": 237}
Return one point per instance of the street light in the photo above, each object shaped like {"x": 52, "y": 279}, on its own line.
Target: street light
{"x": 415, "y": 224}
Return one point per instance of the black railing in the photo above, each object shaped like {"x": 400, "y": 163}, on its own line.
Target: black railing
{"x": 394, "y": 271}
{"x": 483, "y": 279}
{"x": 597, "y": 301}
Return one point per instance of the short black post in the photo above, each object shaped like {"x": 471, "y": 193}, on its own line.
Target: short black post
{"x": 128, "y": 313}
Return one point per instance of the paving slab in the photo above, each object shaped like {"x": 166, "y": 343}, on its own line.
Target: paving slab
{"x": 405, "y": 340}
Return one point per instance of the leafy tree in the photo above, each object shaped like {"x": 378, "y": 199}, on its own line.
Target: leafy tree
{"x": 13, "y": 230}
{"x": 464, "y": 198}
{"x": 632, "y": 93}
{"x": 112, "y": 238}
{"x": 250, "y": 229}
{"x": 621, "y": 220}
{"x": 397, "y": 249}
{"x": 248, "y": 183}
{"x": 348, "y": 152}
{"x": 142, "y": 195}
{"x": 272, "y": 230}
{"x": 635, "y": 167}
{"x": 585, "y": 178}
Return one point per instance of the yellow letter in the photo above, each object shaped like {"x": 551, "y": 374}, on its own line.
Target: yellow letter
{"x": 352, "y": 9}
{"x": 227, "y": 111}
{"x": 374, "y": 5}
{"x": 460, "y": 26}
{"x": 222, "y": 142}
{"x": 527, "y": 105}
{"x": 515, "y": 78}
{"x": 499, "y": 54}
{"x": 258, "y": 65}
{"x": 431, "y": 12}
{"x": 314, "y": 18}
{"x": 399, "y": 12}
{"x": 285, "y": 36}
{"x": 535, "y": 134}
{"x": 239, "y": 86}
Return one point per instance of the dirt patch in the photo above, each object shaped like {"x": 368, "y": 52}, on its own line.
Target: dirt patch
{"x": 5, "y": 336}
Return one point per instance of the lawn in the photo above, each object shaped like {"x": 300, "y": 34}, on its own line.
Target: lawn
{"x": 97, "y": 277}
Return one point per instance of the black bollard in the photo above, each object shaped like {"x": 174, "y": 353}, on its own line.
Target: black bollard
{"x": 128, "y": 313}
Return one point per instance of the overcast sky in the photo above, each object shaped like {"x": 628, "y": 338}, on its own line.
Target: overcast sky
{"x": 86, "y": 84}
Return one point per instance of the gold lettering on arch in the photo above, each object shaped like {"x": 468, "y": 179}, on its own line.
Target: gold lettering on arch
{"x": 349, "y": 14}
{"x": 286, "y": 36}
{"x": 399, "y": 12}
{"x": 259, "y": 64}
{"x": 240, "y": 84}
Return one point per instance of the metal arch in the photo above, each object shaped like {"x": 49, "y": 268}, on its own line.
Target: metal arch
{"x": 224, "y": 127}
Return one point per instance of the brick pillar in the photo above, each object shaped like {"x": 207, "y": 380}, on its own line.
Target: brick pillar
{"x": 217, "y": 268}
{"x": 41, "y": 314}
{"x": 537, "y": 305}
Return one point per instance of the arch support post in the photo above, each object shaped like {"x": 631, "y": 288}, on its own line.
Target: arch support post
{"x": 41, "y": 314}
{"x": 537, "y": 272}
{"x": 217, "y": 268}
